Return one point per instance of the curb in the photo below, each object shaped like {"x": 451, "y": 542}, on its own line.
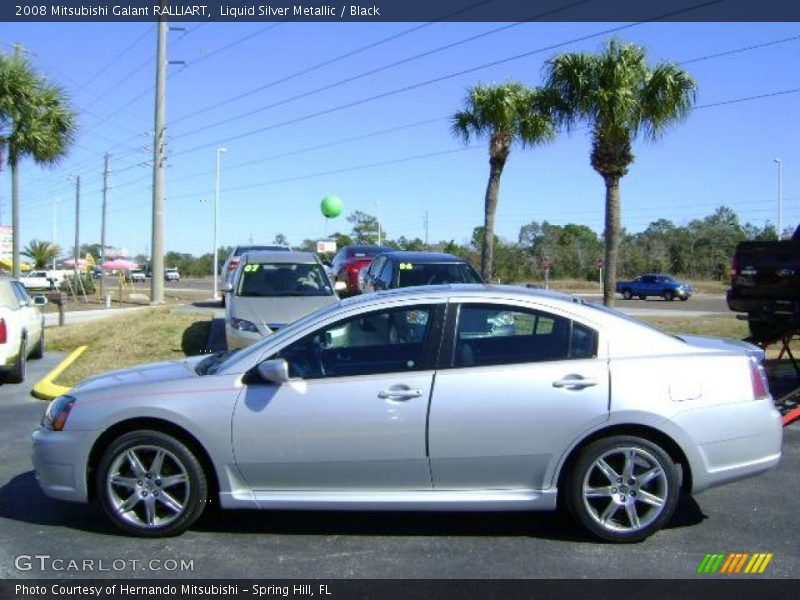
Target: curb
{"x": 45, "y": 389}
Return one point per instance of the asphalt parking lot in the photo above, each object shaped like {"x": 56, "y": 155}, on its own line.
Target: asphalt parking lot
{"x": 755, "y": 515}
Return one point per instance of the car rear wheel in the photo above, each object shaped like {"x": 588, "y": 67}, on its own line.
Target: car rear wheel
{"x": 151, "y": 484}
{"x": 38, "y": 349}
{"x": 669, "y": 295}
{"x": 627, "y": 294}
{"x": 642, "y": 297}
{"x": 20, "y": 367}
{"x": 623, "y": 488}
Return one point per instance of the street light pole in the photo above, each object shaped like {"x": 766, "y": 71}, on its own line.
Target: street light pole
{"x": 215, "y": 290}
{"x": 780, "y": 197}
{"x": 159, "y": 160}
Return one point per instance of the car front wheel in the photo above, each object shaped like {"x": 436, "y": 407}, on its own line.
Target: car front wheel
{"x": 623, "y": 488}
{"x": 151, "y": 485}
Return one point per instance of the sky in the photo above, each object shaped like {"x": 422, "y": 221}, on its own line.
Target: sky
{"x": 362, "y": 110}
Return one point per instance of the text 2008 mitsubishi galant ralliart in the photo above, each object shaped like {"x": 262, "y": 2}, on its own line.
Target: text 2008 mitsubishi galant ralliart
{"x": 445, "y": 398}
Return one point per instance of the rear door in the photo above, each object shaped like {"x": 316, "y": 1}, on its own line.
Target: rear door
{"x": 518, "y": 386}
{"x": 29, "y": 315}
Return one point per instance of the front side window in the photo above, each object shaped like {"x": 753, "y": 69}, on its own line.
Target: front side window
{"x": 283, "y": 279}
{"x": 500, "y": 335}
{"x": 388, "y": 341}
{"x": 410, "y": 274}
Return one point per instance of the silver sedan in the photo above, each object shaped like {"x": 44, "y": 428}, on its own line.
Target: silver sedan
{"x": 439, "y": 398}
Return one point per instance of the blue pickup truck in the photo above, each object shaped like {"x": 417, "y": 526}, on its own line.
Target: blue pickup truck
{"x": 665, "y": 286}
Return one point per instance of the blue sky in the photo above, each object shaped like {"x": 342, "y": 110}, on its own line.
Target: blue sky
{"x": 720, "y": 155}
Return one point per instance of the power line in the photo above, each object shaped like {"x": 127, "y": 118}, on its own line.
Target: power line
{"x": 441, "y": 78}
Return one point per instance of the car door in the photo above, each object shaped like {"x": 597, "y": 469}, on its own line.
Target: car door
{"x": 353, "y": 416}
{"x": 30, "y": 316}
{"x": 518, "y": 386}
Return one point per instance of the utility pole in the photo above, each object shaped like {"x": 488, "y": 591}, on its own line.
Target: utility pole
{"x": 780, "y": 197}
{"x": 76, "y": 255}
{"x": 55, "y": 228}
{"x": 103, "y": 226}
{"x": 159, "y": 152}
{"x": 427, "y": 247}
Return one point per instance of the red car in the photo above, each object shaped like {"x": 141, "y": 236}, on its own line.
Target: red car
{"x": 350, "y": 260}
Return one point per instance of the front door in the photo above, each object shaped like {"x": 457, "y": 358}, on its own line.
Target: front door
{"x": 354, "y": 414}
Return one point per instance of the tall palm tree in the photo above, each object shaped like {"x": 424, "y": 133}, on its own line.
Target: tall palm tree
{"x": 41, "y": 253}
{"x": 620, "y": 97}
{"x": 36, "y": 123}
{"x": 507, "y": 114}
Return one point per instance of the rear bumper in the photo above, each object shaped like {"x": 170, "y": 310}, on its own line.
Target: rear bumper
{"x": 732, "y": 441}
{"x": 768, "y": 306}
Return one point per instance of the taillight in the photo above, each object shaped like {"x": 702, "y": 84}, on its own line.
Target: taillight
{"x": 233, "y": 264}
{"x": 353, "y": 268}
{"x": 735, "y": 266}
{"x": 3, "y": 332}
{"x": 759, "y": 380}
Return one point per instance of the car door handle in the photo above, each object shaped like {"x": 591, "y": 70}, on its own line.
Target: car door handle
{"x": 574, "y": 382}
{"x": 399, "y": 394}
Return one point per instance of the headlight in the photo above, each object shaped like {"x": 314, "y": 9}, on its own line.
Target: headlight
{"x": 242, "y": 325}
{"x": 55, "y": 417}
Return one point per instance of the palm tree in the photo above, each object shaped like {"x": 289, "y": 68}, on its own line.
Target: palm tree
{"x": 41, "y": 253}
{"x": 36, "y": 122}
{"x": 620, "y": 97}
{"x": 507, "y": 114}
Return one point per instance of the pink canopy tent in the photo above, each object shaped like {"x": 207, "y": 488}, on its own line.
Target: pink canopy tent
{"x": 119, "y": 264}
{"x": 71, "y": 262}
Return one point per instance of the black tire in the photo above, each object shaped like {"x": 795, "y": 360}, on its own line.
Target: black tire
{"x": 20, "y": 367}
{"x": 684, "y": 298}
{"x": 619, "y": 496}
{"x": 669, "y": 295}
{"x": 627, "y": 294}
{"x": 642, "y": 297}
{"x": 38, "y": 350}
{"x": 146, "y": 485}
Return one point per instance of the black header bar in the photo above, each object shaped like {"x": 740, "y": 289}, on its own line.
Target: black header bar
{"x": 400, "y": 10}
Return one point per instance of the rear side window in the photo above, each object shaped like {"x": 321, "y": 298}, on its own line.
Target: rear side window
{"x": 500, "y": 335}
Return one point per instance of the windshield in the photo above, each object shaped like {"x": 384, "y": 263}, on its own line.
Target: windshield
{"x": 433, "y": 273}
{"x": 283, "y": 279}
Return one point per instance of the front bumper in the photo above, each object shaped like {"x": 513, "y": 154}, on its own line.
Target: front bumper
{"x": 60, "y": 461}
{"x": 732, "y": 441}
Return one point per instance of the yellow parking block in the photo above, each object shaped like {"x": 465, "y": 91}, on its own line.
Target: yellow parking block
{"x": 45, "y": 388}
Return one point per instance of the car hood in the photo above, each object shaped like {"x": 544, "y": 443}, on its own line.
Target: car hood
{"x": 724, "y": 344}
{"x": 280, "y": 310}
{"x": 147, "y": 373}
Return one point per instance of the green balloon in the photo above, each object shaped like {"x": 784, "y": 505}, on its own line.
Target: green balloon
{"x": 331, "y": 206}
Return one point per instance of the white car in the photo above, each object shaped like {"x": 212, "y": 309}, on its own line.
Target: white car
{"x": 21, "y": 329}
{"x": 171, "y": 274}
{"x": 41, "y": 279}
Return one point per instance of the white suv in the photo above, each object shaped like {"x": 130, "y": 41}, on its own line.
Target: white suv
{"x": 21, "y": 329}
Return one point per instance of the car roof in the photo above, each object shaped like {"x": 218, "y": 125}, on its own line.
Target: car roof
{"x": 423, "y": 257}
{"x": 239, "y": 250}
{"x": 281, "y": 256}
{"x": 366, "y": 248}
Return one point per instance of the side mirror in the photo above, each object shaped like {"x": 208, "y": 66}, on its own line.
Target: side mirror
{"x": 274, "y": 371}
{"x": 340, "y": 286}
{"x": 229, "y": 288}
{"x": 40, "y": 300}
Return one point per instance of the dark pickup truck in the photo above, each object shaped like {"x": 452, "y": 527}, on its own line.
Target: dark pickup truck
{"x": 765, "y": 284}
